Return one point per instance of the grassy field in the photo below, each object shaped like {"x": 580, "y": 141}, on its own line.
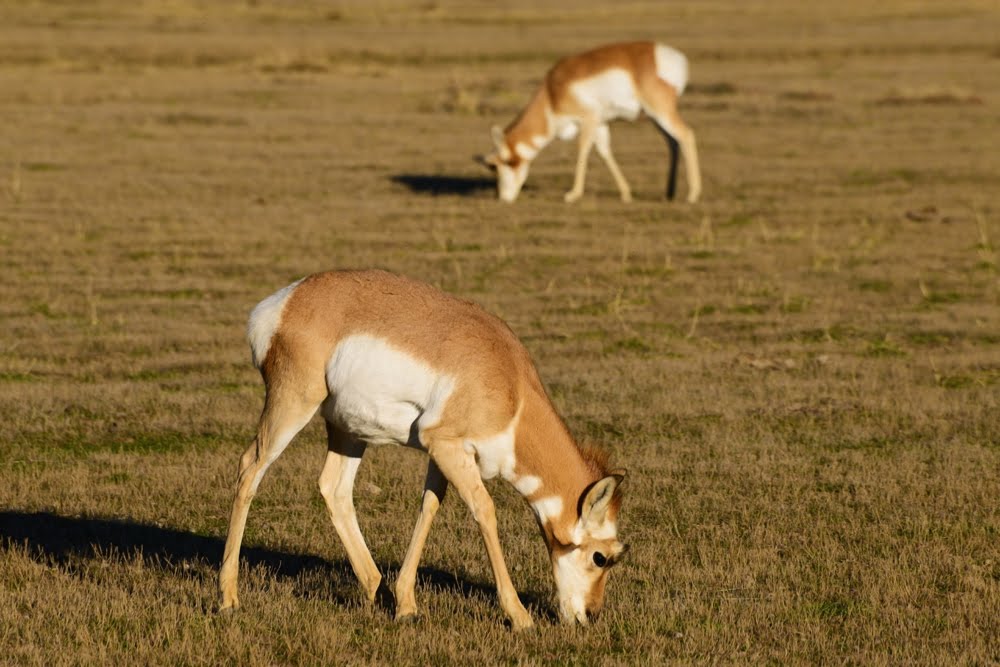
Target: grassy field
{"x": 801, "y": 373}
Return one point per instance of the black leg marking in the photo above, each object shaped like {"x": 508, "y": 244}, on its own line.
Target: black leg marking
{"x": 674, "y": 154}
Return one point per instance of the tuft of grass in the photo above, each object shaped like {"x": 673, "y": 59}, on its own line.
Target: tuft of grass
{"x": 874, "y": 285}
{"x": 884, "y": 347}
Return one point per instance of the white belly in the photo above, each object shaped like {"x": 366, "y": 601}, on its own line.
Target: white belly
{"x": 381, "y": 394}
{"x": 610, "y": 94}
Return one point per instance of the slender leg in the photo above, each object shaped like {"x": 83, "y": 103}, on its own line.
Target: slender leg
{"x": 336, "y": 484}
{"x": 602, "y": 142}
{"x": 660, "y": 103}
{"x": 674, "y": 153}
{"x": 434, "y": 490}
{"x": 284, "y": 415}
{"x": 671, "y": 123}
{"x": 459, "y": 467}
{"x": 587, "y": 128}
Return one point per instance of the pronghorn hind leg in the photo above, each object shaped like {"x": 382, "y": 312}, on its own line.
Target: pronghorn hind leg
{"x": 459, "y": 468}
{"x": 674, "y": 154}
{"x": 660, "y": 103}
{"x": 602, "y": 142}
{"x": 435, "y": 487}
{"x": 336, "y": 484}
{"x": 283, "y": 417}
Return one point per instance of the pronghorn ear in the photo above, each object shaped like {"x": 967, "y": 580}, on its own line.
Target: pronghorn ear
{"x": 500, "y": 141}
{"x": 597, "y": 499}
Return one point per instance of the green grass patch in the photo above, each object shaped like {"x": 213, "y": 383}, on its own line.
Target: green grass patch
{"x": 42, "y": 166}
{"x": 632, "y": 345}
{"x": 833, "y": 608}
{"x": 955, "y": 381}
{"x": 81, "y": 443}
{"x": 14, "y": 376}
{"x": 874, "y": 285}
{"x": 738, "y": 220}
{"x": 936, "y": 297}
{"x": 930, "y": 338}
{"x": 884, "y": 347}
{"x": 200, "y": 120}
{"x": 750, "y": 308}
{"x": 794, "y": 305}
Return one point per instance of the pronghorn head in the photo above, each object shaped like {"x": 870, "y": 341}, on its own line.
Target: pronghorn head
{"x": 581, "y": 564}
{"x": 510, "y": 166}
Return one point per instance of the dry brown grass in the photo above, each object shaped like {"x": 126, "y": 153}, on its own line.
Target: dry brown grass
{"x": 802, "y": 373}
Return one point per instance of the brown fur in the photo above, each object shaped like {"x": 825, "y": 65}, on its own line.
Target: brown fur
{"x": 554, "y": 94}
{"x": 496, "y": 381}
{"x": 634, "y": 57}
{"x": 555, "y": 97}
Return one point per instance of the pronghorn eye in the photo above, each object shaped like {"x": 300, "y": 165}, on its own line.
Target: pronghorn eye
{"x": 599, "y": 559}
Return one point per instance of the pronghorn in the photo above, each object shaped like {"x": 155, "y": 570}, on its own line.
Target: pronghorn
{"x": 580, "y": 95}
{"x": 389, "y": 360}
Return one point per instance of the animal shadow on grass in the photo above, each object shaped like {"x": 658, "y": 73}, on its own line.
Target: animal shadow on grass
{"x": 429, "y": 184}
{"x": 65, "y": 541}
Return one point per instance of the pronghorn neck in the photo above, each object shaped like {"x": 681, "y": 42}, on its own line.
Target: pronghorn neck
{"x": 533, "y": 129}
{"x": 552, "y": 472}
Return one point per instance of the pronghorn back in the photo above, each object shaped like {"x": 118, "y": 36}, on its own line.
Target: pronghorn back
{"x": 636, "y": 60}
{"x": 364, "y": 330}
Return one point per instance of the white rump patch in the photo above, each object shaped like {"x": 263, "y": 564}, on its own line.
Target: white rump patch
{"x": 264, "y": 321}
{"x": 610, "y": 94}
{"x": 672, "y": 67}
{"x": 381, "y": 393}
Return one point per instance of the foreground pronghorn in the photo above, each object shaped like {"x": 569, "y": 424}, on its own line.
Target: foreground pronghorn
{"x": 388, "y": 360}
{"x": 581, "y": 94}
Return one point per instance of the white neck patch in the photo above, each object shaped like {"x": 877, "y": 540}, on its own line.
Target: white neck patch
{"x": 548, "y": 509}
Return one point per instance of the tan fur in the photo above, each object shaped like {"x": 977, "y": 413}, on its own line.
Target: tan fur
{"x": 496, "y": 381}
{"x": 555, "y": 98}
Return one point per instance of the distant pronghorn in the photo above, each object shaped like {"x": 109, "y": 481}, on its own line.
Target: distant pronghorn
{"x": 581, "y": 94}
{"x": 389, "y": 360}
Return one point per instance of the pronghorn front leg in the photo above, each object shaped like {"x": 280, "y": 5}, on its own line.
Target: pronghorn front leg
{"x": 588, "y": 126}
{"x": 434, "y": 490}
{"x": 459, "y": 467}
{"x": 336, "y": 484}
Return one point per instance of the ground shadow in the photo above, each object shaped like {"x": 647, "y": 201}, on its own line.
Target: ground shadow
{"x": 430, "y": 184}
{"x": 63, "y": 540}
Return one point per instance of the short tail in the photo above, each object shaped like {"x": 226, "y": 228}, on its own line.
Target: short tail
{"x": 672, "y": 67}
{"x": 264, "y": 321}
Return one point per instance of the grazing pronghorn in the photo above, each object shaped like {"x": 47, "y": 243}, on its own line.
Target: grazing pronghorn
{"x": 580, "y": 95}
{"x": 389, "y": 360}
